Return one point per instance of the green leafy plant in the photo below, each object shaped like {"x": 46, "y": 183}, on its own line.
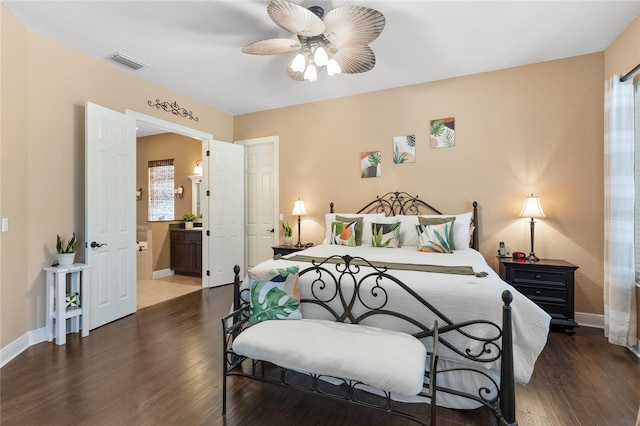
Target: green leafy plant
{"x": 398, "y": 157}
{"x": 377, "y": 239}
{"x": 277, "y": 304}
{"x": 437, "y": 128}
{"x": 286, "y": 229}
{"x": 70, "y": 247}
{"x": 374, "y": 158}
{"x": 189, "y": 217}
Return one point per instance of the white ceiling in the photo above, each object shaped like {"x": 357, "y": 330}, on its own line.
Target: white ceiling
{"x": 193, "y": 47}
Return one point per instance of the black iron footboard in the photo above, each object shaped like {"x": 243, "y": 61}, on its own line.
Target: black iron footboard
{"x": 345, "y": 291}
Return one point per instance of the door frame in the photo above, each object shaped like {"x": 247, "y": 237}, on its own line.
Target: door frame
{"x": 196, "y": 134}
{"x": 275, "y": 140}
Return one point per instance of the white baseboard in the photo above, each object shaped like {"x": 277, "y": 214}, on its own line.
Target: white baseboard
{"x": 162, "y": 273}
{"x": 590, "y": 320}
{"x": 21, "y": 344}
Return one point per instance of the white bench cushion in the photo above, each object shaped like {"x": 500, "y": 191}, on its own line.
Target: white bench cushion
{"x": 388, "y": 360}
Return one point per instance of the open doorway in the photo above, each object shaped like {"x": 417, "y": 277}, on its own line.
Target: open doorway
{"x": 157, "y": 277}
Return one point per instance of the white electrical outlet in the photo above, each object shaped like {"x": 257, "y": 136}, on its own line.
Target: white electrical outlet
{"x": 5, "y": 224}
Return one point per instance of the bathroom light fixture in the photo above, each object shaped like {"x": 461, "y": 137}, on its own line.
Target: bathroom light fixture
{"x": 179, "y": 192}
{"x": 139, "y": 194}
{"x": 299, "y": 210}
{"x": 197, "y": 170}
{"x": 532, "y": 209}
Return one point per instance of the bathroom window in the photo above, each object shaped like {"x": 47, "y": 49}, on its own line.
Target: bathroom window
{"x": 161, "y": 176}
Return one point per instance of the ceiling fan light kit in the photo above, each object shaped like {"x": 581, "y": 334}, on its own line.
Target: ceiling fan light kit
{"x": 338, "y": 41}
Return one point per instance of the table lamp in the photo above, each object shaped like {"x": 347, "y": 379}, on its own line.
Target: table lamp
{"x": 299, "y": 210}
{"x": 532, "y": 209}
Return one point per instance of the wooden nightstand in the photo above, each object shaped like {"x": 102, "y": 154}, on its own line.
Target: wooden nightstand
{"x": 549, "y": 283}
{"x": 284, "y": 250}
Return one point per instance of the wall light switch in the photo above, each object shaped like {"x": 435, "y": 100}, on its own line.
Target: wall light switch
{"x": 281, "y": 216}
{"x": 5, "y": 224}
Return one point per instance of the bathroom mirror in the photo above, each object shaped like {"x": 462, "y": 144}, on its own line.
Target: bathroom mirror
{"x": 196, "y": 197}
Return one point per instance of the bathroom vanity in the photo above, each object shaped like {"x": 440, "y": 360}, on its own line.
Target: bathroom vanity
{"x": 186, "y": 251}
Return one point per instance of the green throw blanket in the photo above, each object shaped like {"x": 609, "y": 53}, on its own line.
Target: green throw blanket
{"x": 440, "y": 269}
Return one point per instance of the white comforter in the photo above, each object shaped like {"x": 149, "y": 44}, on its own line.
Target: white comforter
{"x": 459, "y": 297}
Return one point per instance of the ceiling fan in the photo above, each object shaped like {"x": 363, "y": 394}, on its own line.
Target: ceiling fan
{"x": 338, "y": 41}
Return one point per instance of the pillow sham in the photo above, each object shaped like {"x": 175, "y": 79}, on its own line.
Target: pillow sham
{"x": 274, "y": 294}
{"x": 329, "y": 218}
{"x": 344, "y": 233}
{"x": 385, "y": 235}
{"x": 434, "y": 238}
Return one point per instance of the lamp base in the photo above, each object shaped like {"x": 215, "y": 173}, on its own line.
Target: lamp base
{"x": 532, "y": 257}
{"x": 299, "y": 245}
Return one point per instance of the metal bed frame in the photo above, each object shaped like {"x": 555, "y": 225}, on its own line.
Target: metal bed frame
{"x": 361, "y": 290}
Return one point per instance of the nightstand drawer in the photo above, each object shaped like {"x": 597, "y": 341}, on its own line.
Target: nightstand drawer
{"x": 548, "y": 283}
{"x": 543, "y": 294}
{"x": 551, "y": 278}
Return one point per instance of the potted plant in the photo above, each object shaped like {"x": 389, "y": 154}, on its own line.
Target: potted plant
{"x": 188, "y": 220}
{"x": 66, "y": 252}
{"x": 287, "y": 233}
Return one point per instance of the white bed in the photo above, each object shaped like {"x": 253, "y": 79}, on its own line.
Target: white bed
{"x": 456, "y": 297}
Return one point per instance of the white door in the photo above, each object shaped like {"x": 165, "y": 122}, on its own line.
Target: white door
{"x": 226, "y": 211}
{"x": 110, "y": 229}
{"x": 262, "y": 226}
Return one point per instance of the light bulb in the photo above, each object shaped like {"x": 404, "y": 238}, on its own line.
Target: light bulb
{"x": 298, "y": 63}
{"x": 320, "y": 57}
{"x": 311, "y": 74}
{"x": 333, "y": 67}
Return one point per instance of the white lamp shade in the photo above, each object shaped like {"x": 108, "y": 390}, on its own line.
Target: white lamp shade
{"x": 320, "y": 57}
{"x": 311, "y": 73}
{"x": 298, "y": 63}
{"x": 299, "y": 209}
{"x": 333, "y": 67}
{"x": 532, "y": 208}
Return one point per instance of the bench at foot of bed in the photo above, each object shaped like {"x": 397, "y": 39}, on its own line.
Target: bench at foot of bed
{"x": 353, "y": 356}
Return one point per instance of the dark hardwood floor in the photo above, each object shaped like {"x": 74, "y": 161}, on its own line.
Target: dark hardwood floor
{"x": 162, "y": 366}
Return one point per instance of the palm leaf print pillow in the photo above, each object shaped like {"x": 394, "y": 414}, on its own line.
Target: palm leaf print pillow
{"x": 434, "y": 238}
{"x": 385, "y": 235}
{"x": 344, "y": 233}
{"x": 273, "y": 295}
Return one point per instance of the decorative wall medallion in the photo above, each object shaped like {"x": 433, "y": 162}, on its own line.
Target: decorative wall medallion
{"x": 443, "y": 133}
{"x": 404, "y": 149}
{"x": 173, "y": 108}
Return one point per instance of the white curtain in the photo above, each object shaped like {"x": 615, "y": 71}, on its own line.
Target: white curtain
{"x": 619, "y": 256}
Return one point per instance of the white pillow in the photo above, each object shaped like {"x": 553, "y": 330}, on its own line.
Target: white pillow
{"x": 329, "y": 218}
{"x": 408, "y": 234}
{"x": 461, "y": 229}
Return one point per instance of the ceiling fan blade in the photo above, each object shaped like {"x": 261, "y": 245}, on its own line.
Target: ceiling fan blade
{"x": 274, "y": 46}
{"x": 295, "y": 18}
{"x": 355, "y": 60}
{"x": 352, "y": 26}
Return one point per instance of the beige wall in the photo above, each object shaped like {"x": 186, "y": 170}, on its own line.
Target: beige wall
{"x": 44, "y": 88}
{"x": 532, "y": 129}
{"x": 185, "y": 151}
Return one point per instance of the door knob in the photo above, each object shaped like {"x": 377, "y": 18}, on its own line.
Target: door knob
{"x": 272, "y": 230}
{"x": 94, "y": 244}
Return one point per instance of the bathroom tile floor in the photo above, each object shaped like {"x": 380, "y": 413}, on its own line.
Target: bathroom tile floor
{"x": 151, "y": 292}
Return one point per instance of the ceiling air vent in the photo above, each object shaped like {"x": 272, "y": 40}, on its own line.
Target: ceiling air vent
{"x": 128, "y": 61}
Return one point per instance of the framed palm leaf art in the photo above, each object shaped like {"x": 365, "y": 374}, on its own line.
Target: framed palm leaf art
{"x": 443, "y": 133}
{"x": 404, "y": 149}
